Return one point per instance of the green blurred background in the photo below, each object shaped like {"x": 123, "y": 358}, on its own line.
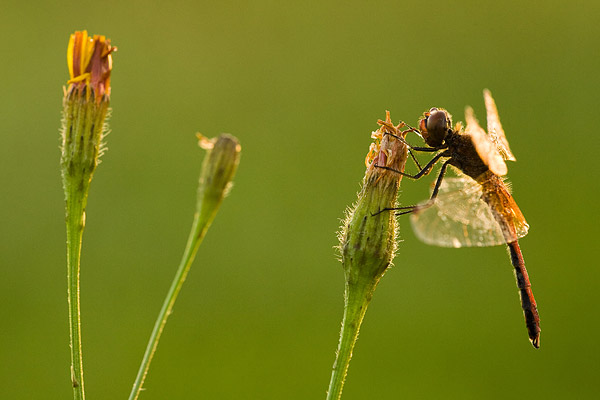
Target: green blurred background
{"x": 302, "y": 85}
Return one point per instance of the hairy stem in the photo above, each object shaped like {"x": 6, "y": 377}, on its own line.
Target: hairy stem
{"x": 76, "y": 200}
{"x": 357, "y": 299}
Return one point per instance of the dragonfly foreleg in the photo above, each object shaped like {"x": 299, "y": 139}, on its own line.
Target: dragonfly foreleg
{"x": 424, "y": 171}
{"x": 416, "y": 148}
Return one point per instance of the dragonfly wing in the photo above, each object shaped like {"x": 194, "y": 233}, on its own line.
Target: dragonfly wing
{"x": 500, "y": 201}
{"x": 494, "y": 127}
{"x": 458, "y": 218}
{"x": 521, "y": 227}
{"x": 517, "y": 226}
{"x": 484, "y": 146}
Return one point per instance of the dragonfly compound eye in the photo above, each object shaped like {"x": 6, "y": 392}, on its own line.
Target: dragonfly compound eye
{"x": 437, "y": 124}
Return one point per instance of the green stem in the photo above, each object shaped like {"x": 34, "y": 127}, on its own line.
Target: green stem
{"x": 199, "y": 228}
{"x": 76, "y": 200}
{"x": 218, "y": 169}
{"x": 357, "y": 299}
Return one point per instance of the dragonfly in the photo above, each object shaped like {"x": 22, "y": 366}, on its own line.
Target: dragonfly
{"x": 476, "y": 208}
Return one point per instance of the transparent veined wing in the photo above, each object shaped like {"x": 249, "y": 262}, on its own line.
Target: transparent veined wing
{"x": 495, "y": 131}
{"x": 460, "y": 217}
{"x": 484, "y": 146}
{"x": 497, "y": 196}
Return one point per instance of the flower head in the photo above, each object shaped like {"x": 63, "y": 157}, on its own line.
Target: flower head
{"x": 368, "y": 237}
{"x": 90, "y": 63}
{"x": 85, "y": 104}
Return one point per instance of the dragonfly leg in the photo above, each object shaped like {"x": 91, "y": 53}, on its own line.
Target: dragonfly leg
{"x": 430, "y": 202}
{"x": 424, "y": 171}
{"x": 416, "y": 148}
{"x": 438, "y": 182}
{"x": 410, "y": 128}
{"x": 414, "y": 159}
{"x": 402, "y": 140}
{"x": 434, "y": 193}
{"x": 411, "y": 148}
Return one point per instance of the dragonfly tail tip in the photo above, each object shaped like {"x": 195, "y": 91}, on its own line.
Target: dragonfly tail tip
{"x": 536, "y": 341}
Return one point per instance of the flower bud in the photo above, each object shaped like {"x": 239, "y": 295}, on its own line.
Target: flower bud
{"x": 85, "y": 103}
{"x": 368, "y": 237}
{"x": 218, "y": 170}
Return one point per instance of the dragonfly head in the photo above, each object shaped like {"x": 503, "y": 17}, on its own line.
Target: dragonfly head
{"x": 435, "y": 126}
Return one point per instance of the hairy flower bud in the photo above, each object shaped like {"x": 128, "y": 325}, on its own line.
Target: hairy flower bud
{"x": 85, "y": 103}
{"x": 368, "y": 237}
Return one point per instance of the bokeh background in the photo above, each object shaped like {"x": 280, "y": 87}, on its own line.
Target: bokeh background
{"x": 302, "y": 85}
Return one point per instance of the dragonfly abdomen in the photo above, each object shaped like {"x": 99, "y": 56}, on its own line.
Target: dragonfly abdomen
{"x": 532, "y": 318}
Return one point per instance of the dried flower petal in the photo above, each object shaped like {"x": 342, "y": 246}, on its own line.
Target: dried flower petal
{"x": 90, "y": 64}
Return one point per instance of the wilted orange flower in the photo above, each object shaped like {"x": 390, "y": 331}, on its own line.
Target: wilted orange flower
{"x": 90, "y": 63}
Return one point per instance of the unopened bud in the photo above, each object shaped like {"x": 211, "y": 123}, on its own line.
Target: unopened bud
{"x": 368, "y": 237}
{"x": 218, "y": 170}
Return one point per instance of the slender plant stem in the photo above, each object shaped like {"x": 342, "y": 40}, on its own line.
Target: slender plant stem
{"x": 199, "y": 228}
{"x": 75, "y": 220}
{"x": 357, "y": 299}
{"x": 84, "y": 123}
{"x": 218, "y": 170}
